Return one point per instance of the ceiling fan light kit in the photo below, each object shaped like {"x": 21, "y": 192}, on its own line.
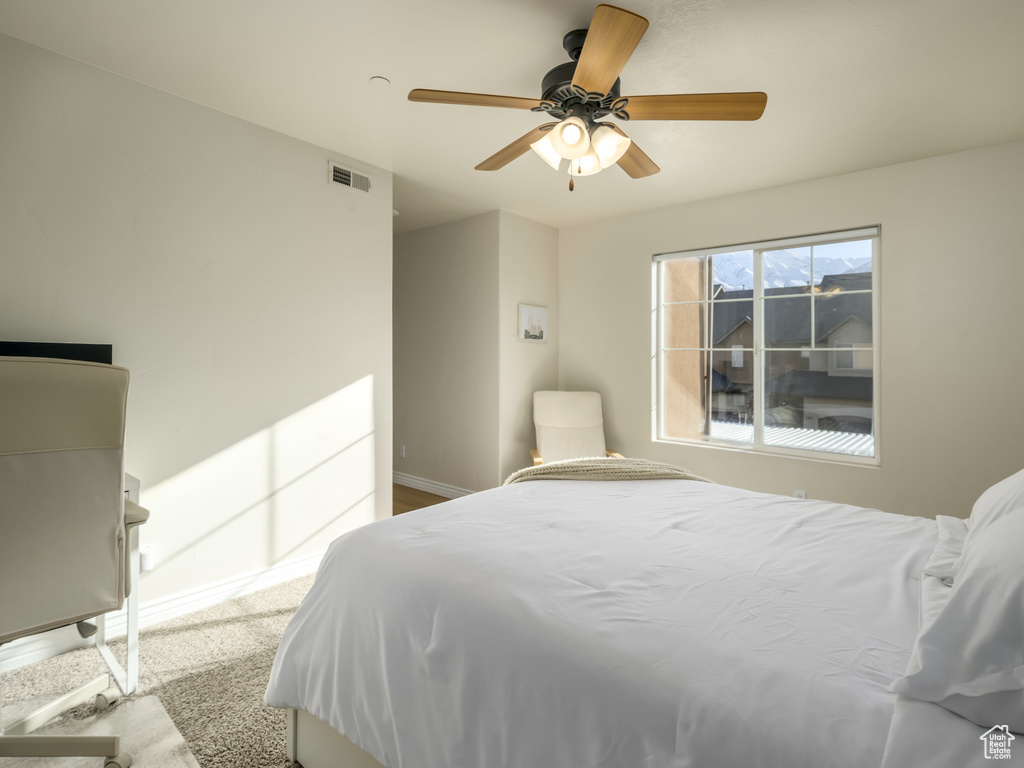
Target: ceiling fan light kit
{"x": 610, "y": 146}
{"x": 570, "y": 138}
{"x": 547, "y": 151}
{"x": 579, "y": 93}
{"x": 586, "y": 165}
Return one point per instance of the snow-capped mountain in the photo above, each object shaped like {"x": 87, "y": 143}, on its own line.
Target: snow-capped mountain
{"x": 735, "y": 271}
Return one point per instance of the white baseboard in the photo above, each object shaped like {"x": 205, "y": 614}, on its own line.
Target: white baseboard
{"x": 430, "y": 486}
{"x": 29, "y": 650}
{"x": 171, "y": 607}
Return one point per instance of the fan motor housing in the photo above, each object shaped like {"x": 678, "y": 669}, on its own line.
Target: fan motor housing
{"x": 573, "y": 43}
{"x": 557, "y": 84}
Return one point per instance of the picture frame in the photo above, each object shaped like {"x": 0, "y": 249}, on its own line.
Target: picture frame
{"x": 533, "y": 324}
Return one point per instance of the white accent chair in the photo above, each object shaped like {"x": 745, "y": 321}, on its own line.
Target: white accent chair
{"x": 68, "y": 535}
{"x": 570, "y": 425}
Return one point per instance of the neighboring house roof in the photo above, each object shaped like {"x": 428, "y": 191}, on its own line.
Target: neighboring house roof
{"x": 849, "y": 319}
{"x": 742, "y": 321}
{"x": 728, "y": 316}
{"x": 849, "y": 281}
{"x": 800, "y": 383}
{"x": 720, "y": 383}
{"x": 787, "y": 319}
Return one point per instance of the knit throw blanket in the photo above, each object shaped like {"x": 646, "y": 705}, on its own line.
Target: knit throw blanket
{"x": 604, "y": 469}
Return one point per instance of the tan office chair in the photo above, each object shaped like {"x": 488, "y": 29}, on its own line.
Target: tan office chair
{"x": 570, "y": 425}
{"x": 68, "y": 535}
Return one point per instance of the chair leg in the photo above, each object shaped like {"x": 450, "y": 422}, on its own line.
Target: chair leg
{"x": 45, "y": 714}
{"x": 127, "y": 677}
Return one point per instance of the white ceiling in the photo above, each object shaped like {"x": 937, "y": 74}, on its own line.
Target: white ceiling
{"x": 851, "y": 84}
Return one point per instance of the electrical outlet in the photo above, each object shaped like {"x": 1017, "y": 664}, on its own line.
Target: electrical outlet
{"x": 799, "y": 494}
{"x": 401, "y": 451}
{"x": 147, "y": 560}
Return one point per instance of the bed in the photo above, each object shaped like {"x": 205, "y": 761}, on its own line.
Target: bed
{"x": 611, "y": 623}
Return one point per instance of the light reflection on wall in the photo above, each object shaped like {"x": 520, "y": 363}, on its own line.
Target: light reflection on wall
{"x": 279, "y": 494}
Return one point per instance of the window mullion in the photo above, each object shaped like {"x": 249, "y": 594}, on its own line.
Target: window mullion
{"x": 658, "y": 398}
{"x": 758, "y": 296}
{"x": 709, "y": 318}
{"x": 814, "y": 298}
{"x": 875, "y": 341}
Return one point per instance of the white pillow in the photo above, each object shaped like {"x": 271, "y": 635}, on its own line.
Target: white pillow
{"x": 1002, "y": 497}
{"x": 971, "y": 658}
{"x": 945, "y": 558}
{"x": 999, "y": 708}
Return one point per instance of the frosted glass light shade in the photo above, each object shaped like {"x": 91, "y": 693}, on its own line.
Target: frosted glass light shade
{"x": 570, "y": 138}
{"x": 587, "y": 165}
{"x": 546, "y": 150}
{"x": 610, "y": 146}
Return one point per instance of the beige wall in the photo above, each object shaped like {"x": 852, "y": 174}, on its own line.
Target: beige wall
{"x": 446, "y": 352}
{"x": 250, "y": 300}
{"x": 951, "y": 269}
{"x": 528, "y": 274}
{"x": 463, "y": 398}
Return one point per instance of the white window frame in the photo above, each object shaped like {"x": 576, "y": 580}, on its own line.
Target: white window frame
{"x": 758, "y": 445}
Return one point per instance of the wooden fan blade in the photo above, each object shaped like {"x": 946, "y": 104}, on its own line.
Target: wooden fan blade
{"x": 613, "y": 36}
{"x": 697, "y": 106}
{"x": 635, "y": 162}
{"x": 472, "y": 99}
{"x": 518, "y": 147}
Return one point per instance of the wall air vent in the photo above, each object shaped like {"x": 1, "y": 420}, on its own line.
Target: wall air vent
{"x": 346, "y": 177}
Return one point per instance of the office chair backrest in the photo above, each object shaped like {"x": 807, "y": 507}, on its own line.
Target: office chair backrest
{"x": 569, "y": 425}
{"x": 61, "y": 492}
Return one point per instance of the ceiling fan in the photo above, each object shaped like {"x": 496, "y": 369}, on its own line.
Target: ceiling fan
{"x": 579, "y": 93}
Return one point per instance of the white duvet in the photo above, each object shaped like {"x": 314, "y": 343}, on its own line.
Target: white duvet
{"x": 566, "y": 624}
{"x": 925, "y": 735}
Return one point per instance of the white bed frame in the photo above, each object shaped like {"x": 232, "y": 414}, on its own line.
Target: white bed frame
{"x": 313, "y": 743}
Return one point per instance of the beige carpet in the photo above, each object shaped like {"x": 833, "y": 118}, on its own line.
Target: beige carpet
{"x": 208, "y": 669}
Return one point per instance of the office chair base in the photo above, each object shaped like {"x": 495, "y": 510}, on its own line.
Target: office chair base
{"x": 107, "y": 698}
{"x": 108, "y": 747}
{"x": 15, "y": 741}
{"x": 45, "y": 714}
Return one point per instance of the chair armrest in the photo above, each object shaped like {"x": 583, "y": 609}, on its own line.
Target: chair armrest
{"x": 614, "y": 455}
{"x": 537, "y": 460}
{"x": 134, "y": 514}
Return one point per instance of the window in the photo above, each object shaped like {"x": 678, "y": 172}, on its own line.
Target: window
{"x": 851, "y": 359}
{"x": 770, "y": 346}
